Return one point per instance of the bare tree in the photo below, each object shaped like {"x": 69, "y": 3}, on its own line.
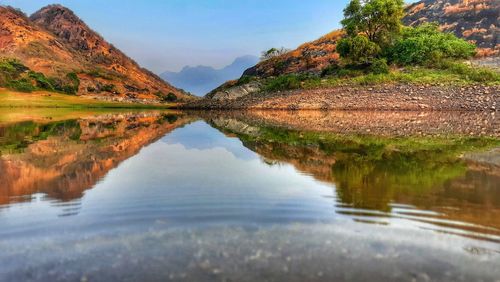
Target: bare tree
{"x": 273, "y": 52}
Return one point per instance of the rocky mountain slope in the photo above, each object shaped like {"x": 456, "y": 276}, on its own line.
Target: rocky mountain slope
{"x": 201, "y": 79}
{"x": 474, "y": 20}
{"x": 55, "y": 42}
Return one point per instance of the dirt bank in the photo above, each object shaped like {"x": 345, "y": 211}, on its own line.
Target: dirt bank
{"x": 379, "y": 97}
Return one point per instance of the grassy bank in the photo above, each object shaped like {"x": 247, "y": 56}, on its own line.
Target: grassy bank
{"x": 42, "y": 99}
{"x": 451, "y": 75}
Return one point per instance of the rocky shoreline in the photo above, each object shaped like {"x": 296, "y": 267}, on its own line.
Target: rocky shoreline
{"x": 379, "y": 123}
{"x": 401, "y": 97}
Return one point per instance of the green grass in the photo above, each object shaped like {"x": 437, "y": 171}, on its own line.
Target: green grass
{"x": 446, "y": 73}
{"x": 10, "y": 99}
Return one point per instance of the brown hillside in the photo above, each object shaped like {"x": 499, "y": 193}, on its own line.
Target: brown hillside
{"x": 309, "y": 57}
{"x": 55, "y": 41}
{"x": 474, "y": 20}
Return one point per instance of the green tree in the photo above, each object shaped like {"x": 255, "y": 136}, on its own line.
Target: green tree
{"x": 171, "y": 97}
{"x": 358, "y": 50}
{"x": 378, "y": 20}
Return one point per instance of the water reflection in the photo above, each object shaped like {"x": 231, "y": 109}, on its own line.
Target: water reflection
{"x": 417, "y": 178}
{"x": 63, "y": 159}
{"x": 247, "y": 197}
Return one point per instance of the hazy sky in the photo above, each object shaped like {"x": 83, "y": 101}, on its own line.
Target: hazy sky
{"x": 169, "y": 34}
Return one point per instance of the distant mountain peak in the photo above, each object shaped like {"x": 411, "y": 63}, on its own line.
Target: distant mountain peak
{"x": 202, "y": 79}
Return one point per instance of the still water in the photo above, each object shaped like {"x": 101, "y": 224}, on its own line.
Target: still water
{"x": 270, "y": 197}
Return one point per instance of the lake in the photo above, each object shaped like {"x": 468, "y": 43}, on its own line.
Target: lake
{"x": 257, "y": 196}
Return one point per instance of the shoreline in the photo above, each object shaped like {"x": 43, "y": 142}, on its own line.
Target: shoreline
{"x": 380, "y": 123}
{"x": 42, "y": 99}
{"x": 383, "y": 97}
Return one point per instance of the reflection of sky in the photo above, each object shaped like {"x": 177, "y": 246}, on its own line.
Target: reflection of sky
{"x": 194, "y": 174}
{"x": 144, "y": 207}
{"x": 201, "y": 136}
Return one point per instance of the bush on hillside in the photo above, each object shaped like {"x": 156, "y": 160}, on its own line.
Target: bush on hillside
{"x": 41, "y": 81}
{"x": 21, "y": 85}
{"x": 330, "y": 70}
{"x": 379, "y": 66}
{"x": 74, "y": 78}
{"x": 425, "y": 44}
{"x": 358, "y": 50}
{"x": 284, "y": 82}
{"x": 171, "y": 97}
{"x": 476, "y": 74}
{"x": 10, "y": 69}
{"x": 108, "y": 88}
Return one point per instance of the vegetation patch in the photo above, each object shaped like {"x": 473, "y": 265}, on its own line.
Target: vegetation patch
{"x": 16, "y": 76}
{"x": 377, "y": 48}
{"x": 368, "y": 162}
{"x": 169, "y": 98}
{"x": 17, "y": 137}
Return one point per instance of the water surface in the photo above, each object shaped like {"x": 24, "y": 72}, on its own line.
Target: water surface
{"x": 221, "y": 197}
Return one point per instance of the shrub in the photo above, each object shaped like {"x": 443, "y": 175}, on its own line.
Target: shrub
{"x": 476, "y": 74}
{"x": 12, "y": 66}
{"x": 358, "y": 50}
{"x": 98, "y": 73}
{"x": 245, "y": 79}
{"x": 425, "y": 44}
{"x": 10, "y": 69}
{"x": 171, "y": 97}
{"x": 108, "y": 87}
{"x": 284, "y": 82}
{"x": 74, "y": 79}
{"x": 330, "y": 70}
{"x": 21, "y": 85}
{"x": 69, "y": 89}
{"x": 379, "y": 66}
{"x": 41, "y": 81}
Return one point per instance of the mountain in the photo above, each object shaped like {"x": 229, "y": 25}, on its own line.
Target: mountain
{"x": 201, "y": 79}
{"x": 475, "y": 20}
{"x": 59, "y": 45}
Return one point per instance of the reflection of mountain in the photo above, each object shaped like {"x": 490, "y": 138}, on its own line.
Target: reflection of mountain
{"x": 63, "y": 159}
{"x": 375, "y": 175}
{"x": 202, "y": 79}
{"x": 196, "y": 138}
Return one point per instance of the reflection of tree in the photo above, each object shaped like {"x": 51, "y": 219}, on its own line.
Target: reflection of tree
{"x": 63, "y": 159}
{"x": 372, "y": 172}
{"x": 375, "y": 184}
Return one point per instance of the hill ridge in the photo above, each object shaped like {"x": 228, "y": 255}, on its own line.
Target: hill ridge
{"x": 55, "y": 41}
